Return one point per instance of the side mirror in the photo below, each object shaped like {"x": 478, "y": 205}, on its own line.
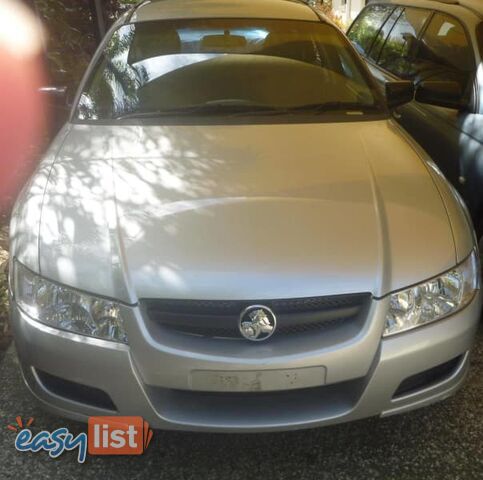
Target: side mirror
{"x": 54, "y": 91}
{"x": 56, "y": 95}
{"x": 398, "y": 93}
{"x": 447, "y": 94}
{"x": 58, "y": 102}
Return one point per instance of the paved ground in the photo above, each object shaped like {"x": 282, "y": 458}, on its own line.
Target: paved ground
{"x": 4, "y": 330}
{"x": 444, "y": 441}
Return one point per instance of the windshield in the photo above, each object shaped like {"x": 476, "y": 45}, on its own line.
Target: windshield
{"x": 225, "y": 66}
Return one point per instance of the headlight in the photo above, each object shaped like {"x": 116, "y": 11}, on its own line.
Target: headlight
{"x": 67, "y": 309}
{"x": 434, "y": 299}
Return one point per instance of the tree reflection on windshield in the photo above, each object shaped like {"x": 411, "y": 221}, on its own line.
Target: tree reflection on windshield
{"x": 173, "y": 65}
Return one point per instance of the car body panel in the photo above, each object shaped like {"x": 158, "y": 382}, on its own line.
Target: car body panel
{"x": 456, "y": 209}
{"x": 396, "y": 359}
{"x": 173, "y": 9}
{"x": 27, "y": 212}
{"x": 469, "y": 12}
{"x": 219, "y": 212}
{"x": 326, "y": 215}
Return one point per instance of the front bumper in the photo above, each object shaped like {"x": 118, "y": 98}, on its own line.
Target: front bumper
{"x": 153, "y": 376}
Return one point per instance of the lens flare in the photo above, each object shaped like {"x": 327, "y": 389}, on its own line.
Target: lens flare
{"x": 21, "y": 110}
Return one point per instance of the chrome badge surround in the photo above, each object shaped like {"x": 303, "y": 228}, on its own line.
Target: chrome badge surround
{"x": 257, "y": 323}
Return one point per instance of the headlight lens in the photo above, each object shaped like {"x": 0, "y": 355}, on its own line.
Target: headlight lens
{"x": 434, "y": 299}
{"x": 67, "y": 309}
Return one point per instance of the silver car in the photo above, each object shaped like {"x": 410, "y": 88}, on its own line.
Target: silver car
{"x": 232, "y": 233}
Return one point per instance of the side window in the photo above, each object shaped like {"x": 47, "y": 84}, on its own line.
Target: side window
{"x": 401, "y": 44}
{"x": 364, "y": 29}
{"x": 444, "y": 52}
{"x": 383, "y": 33}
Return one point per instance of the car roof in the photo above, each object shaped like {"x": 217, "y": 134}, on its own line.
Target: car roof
{"x": 455, "y": 7}
{"x": 182, "y": 9}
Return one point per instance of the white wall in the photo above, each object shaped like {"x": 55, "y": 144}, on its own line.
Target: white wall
{"x": 347, "y": 10}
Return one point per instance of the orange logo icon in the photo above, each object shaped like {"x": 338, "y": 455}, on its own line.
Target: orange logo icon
{"x": 118, "y": 435}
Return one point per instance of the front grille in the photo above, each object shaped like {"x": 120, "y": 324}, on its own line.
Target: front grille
{"x": 219, "y": 318}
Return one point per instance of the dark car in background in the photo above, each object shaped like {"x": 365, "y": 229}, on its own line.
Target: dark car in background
{"x": 439, "y": 45}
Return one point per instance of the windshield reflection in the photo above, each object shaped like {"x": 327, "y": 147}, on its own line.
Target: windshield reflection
{"x": 167, "y": 66}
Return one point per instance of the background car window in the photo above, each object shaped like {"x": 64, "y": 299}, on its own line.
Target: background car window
{"x": 401, "y": 44}
{"x": 444, "y": 52}
{"x": 365, "y": 28}
{"x": 383, "y": 33}
{"x": 151, "y": 67}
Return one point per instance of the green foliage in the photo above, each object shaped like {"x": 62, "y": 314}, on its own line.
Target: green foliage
{"x": 3, "y": 303}
{"x": 72, "y": 34}
{"x": 364, "y": 34}
{"x": 3, "y": 277}
{"x": 326, "y": 8}
{"x": 71, "y": 38}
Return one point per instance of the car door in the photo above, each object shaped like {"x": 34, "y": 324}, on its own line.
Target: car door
{"x": 471, "y": 125}
{"x": 425, "y": 45}
{"x": 443, "y": 53}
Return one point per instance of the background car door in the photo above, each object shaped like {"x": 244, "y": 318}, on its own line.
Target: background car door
{"x": 444, "y": 53}
{"x": 424, "y": 45}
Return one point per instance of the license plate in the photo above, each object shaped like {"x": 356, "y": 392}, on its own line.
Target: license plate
{"x": 257, "y": 380}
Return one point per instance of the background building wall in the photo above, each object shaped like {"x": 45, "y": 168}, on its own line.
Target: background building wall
{"x": 347, "y": 10}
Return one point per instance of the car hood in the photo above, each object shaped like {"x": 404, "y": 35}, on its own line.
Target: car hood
{"x": 241, "y": 212}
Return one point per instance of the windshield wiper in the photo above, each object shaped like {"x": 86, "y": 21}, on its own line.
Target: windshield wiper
{"x": 335, "y": 106}
{"x": 205, "y": 109}
{"x": 235, "y": 108}
{"x": 159, "y": 113}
